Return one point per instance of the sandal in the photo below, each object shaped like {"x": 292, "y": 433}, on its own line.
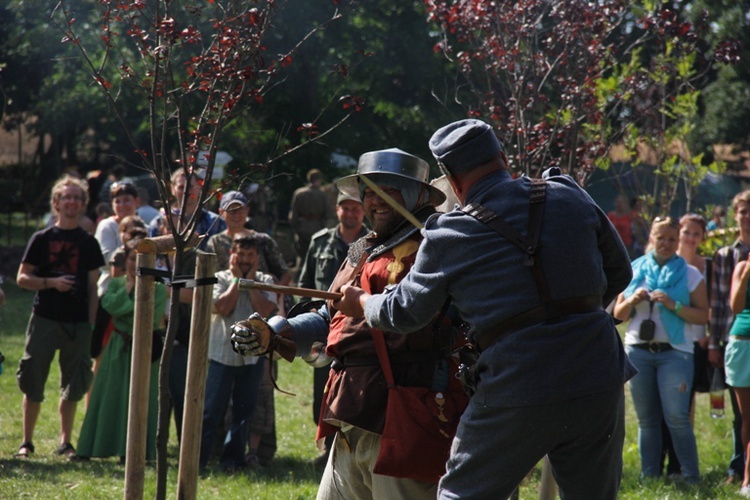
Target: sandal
{"x": 66, "y": 450}
{"x": 25, "y": 450}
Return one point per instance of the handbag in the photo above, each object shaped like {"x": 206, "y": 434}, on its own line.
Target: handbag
{"x": 420, "y": 424}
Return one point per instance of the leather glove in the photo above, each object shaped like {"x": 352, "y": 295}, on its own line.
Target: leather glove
{"x": 251, "y": 337}
{"x": 254, "y": 336}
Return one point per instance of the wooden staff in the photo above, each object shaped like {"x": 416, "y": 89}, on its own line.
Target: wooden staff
{"x": 246, "y": 284}
{"x": 547, "y": 486}
{"x": 140, "y": 376}
{"x": 195, "y": 385}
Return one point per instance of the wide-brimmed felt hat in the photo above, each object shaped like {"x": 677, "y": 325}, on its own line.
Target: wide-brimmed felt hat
{"x": 391, "y": 161}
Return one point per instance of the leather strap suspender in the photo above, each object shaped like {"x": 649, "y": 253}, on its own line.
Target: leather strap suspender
{"x": 528, "y": 244}
{"x": 548, "y": 310}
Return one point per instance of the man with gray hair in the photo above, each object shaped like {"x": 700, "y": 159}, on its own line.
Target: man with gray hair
{"x": 529, "y": 265}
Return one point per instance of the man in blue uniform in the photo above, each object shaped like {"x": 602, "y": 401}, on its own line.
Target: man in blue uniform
{"x": 550, "y": 377}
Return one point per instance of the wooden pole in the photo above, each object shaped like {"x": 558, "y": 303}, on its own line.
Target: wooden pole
{"x": 246, "y": 284}
{"x": 547, "y": 486}
{"x": 163, "y": 244}
{"x": 195, "y": 386}
{"x": 140, "y": 375}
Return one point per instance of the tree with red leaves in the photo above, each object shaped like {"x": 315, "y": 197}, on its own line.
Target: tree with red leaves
{"x": 564, "y": 81}
{"x": 197, "y": 66}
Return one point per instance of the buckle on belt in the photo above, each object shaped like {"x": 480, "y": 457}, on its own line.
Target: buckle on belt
{"x": 657, "y": 347}
{"x": 654, "y": 347}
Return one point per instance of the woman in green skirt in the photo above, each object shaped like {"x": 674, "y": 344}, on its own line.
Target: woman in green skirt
{"x": 105, "y": 426}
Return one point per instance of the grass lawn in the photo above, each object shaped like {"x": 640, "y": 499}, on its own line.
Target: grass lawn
{"x": 290, "y": 476}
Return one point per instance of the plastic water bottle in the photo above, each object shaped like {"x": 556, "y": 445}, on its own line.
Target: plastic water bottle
{"x": 717, "y": 394}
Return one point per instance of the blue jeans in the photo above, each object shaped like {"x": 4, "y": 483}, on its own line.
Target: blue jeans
{"x": 662, "y": 390}
{"x": 242, "y": 384}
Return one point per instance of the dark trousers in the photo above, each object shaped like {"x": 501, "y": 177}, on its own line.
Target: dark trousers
{"x": 495, "y": 448}
{"x": 177, "y": 381}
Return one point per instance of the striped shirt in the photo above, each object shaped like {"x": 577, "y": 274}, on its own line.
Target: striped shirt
{"x": 721, "y": 284}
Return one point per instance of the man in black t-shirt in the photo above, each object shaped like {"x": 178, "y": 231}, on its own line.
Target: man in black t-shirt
{"x": 62, "y": 264}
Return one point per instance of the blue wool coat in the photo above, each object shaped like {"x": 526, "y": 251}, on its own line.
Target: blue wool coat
{"x": 484, "y": 275}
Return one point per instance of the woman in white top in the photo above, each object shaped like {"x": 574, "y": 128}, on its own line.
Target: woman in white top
{"x": 692, "y": 232}
{"x": 664, "y": 295}
{"x": 124, "y": 199}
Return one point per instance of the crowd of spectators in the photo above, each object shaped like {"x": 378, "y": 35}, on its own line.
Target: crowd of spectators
{"x": 83, "y": 269}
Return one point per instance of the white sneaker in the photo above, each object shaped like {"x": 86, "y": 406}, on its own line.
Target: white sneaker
{"x": 745, "y": 491}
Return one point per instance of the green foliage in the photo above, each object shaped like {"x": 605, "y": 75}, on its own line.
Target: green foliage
{"x": 381, "y": 51}
{"x": 725, "y": 100}
{"x": 726, "y": 105}
{"x": 290, "y": 476}
{"x": 668, "y": 122}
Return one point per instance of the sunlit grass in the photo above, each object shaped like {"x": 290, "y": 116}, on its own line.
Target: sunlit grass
{"x": 290, "y": 476}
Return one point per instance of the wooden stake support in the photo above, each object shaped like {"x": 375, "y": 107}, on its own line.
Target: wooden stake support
{"x": 164, "y": 244}
{"x": 140, "y": 375}
{"x": 195, "y": 386}
{"x": 547, "y": 486}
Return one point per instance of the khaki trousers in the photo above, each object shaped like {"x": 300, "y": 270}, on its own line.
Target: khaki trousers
{"x": 348, "y": 474}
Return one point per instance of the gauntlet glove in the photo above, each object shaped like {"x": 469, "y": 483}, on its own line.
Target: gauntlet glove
{"x": 256, "y": 337}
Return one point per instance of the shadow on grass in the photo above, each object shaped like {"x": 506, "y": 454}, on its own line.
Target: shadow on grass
{"x": 711, "y": 486}
{"x": 41, "y": 467}
{"x": 279, "y": 470}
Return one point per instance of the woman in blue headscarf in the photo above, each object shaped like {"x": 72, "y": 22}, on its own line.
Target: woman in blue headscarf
{"x": 664, "y": 295}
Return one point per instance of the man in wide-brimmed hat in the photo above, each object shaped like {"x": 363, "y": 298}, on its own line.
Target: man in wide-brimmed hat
{"x": 529, "y": 264}
{"x": 356, "y": 396}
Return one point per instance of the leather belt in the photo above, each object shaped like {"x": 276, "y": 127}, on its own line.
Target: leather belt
{"x": 127, "y": 337}
{"x": 550, "y": 312}
{"x": 654, "y": 347}
{"x": 339, "y": 363}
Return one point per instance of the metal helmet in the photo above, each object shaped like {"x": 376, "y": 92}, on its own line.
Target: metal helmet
{"x": 391, "y": 162}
